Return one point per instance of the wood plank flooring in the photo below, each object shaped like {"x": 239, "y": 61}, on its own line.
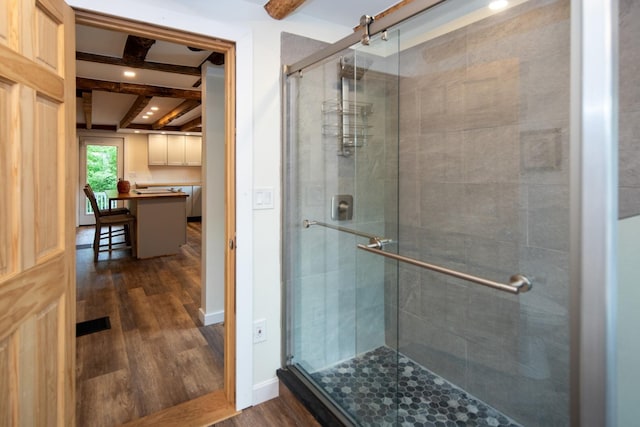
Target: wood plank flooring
{"x": 284, "y": 411}
{"x": 156, "y": 354}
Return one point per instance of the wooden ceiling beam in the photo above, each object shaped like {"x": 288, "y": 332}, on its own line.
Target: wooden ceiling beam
{"x": 136, "y": 48}
{"x": 138, "y": 105}
{"x": 177, "y": 112}
{"x": 132, "y": 126}
{"x": 87, "y": 106}
{"x": 137, "y": 126}
{"x": 192, "y": 124}
{"x": 280, "y": 9}
{"x": 112, "y": 128}
{"x": 144, "y": 65}
{"x": 216, "y": 58}
{"x": 136, "y": 89}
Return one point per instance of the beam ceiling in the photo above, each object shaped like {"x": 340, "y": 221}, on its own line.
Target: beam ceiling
{"x": 145, "y": 65}
{"x": 177, "y": 112}
{"x": 280, "y": 9}
{"x": 138, "y": 105}
{"x": 136, "y": 89}
{"x": 134, "y": 55}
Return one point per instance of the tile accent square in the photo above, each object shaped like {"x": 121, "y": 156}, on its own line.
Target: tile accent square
{"x": 541, "y": 149}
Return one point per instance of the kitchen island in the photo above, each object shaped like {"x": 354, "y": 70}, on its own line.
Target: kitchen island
{"x": 193, "y": 189}
{"x": 161, "y": 225}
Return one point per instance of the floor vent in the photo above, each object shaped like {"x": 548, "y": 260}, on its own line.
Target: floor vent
{"x": 91, "y": 326}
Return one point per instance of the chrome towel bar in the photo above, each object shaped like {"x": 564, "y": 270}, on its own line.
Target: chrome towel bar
{"x": 309, "y": 222}
{"x": 517, "y": 283}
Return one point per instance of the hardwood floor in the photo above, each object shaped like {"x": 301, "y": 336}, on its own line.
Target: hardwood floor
{"x": 284, "y": 411}
{"x": 155, "y": 355}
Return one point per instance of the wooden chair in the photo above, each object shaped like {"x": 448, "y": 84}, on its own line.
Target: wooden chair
{"x": 108, "y": 211}
{"x": 111, "y": 219}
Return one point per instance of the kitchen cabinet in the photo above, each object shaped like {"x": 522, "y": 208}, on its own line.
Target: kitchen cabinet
{"x": 189, "y": 207}
{"x": 196, "y": 201}
{"x": 193, "y": 150}
{"x": 174, "y": 150}
{"x": 157, "y": 149}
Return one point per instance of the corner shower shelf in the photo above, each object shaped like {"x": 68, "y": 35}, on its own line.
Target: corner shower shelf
{"x": 346, "y": 121}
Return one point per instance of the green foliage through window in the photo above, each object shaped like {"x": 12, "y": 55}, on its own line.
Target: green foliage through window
{"x": 102, "y": 167}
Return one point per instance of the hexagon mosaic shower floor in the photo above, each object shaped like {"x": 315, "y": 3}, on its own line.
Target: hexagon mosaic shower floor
{"x": 366, "y": 387}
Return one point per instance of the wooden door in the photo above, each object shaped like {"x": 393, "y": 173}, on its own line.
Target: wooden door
{"x": 38, "y": 173}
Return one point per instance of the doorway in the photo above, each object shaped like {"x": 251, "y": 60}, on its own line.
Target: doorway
{"x": 101, "y": 164}
{"x": 217, "y": 402}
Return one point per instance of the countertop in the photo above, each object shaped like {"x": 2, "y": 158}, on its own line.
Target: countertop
{"x": 114, "y": 195}
{"x": 165, "y": 184}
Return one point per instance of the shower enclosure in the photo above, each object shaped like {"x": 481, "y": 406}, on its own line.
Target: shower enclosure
{"x": 426, "y": 219}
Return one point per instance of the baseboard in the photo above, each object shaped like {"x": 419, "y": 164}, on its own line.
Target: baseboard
{"x": 211, "y": 318}
{"x": 266, "y": 390}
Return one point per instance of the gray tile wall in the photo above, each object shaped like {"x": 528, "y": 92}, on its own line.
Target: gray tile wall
{"x": 483, "y": 188}
{"x": 629, "y": 126}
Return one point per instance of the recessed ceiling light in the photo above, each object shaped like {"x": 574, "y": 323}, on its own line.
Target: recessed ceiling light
{"x": 145, "y": 117}
{"x": 149, "y": 113}
{"x": 154, "y": 108}
{"x": 136, "y": 131}
{"x": 129, "y": 73}
{"x": 498, "y": 4}
{"x": 164, "y": 133}
{"x": 188, "y": 134}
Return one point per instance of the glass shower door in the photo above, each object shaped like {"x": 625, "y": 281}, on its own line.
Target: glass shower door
{"x": 342, "y": 191}
{"x": 428, "y": 177}
{"x": 484, "y": 191}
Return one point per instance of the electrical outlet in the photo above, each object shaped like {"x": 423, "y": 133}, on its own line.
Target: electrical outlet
{"x": 259, "y": 330}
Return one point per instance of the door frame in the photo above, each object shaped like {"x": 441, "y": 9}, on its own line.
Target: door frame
{"x": 84, "y": 219}
{"x": 217, "y": 405}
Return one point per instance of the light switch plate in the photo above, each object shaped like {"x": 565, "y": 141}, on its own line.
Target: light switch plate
{"x": 263, "y": 198}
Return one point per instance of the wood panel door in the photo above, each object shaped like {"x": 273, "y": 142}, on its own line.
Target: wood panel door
{"x": 38, "y": 172}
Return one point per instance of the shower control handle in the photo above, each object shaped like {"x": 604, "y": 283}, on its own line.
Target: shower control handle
{"x": 342, "y": 207}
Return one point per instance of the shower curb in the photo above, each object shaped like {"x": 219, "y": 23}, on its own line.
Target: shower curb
{"x": 319, "y": 409}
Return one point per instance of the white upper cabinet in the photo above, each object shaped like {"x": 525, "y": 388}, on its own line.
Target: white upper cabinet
{"x": 193, "y": 150}
{"x": 157, "y": 145}
{"x": 174, "y": 150}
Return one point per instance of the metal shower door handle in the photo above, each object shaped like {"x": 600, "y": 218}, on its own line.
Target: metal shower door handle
{"x": 518, "y": 283}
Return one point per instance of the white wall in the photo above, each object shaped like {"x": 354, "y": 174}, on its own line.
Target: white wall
{"x": 213, "y": 229}
{"x": 257, "y": 38}
{"x": 628, "y": 320}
